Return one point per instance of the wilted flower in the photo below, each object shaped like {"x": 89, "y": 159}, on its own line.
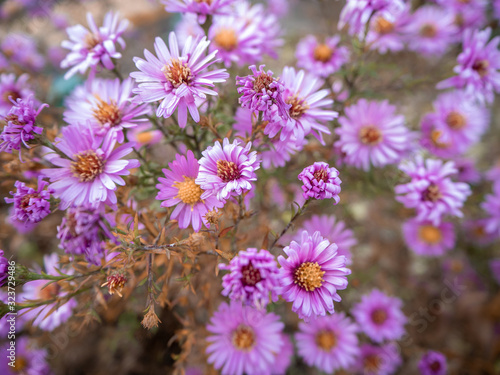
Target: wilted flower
{"x": 30, "y": 205}
{"x": 321, "y": 59}
{"x": 312, "y": 274}
{"x": 243, "y": 340}
{"x": 432, "y": 363}
{"x": 427, "y": 239}
{"x": 320, "y": 181}
{"x": 115, "y": 283}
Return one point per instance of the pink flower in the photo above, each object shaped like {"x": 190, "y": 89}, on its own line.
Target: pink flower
{"x": 320, "y": 181}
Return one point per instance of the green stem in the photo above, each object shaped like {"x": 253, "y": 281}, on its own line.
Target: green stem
{"x": 299, "y": 212}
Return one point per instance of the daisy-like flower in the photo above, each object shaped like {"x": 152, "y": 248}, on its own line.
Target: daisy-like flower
{"x": 202, "y": 8}
{"x": 83, "y": 231}
{"x": 431, "y": 30}
{"x": 21, "y": 49}
{"x": 177, "y": 80}
{"x": 30, "y": 204}
{"x": 372, "y": 134}
{"x": 20, "y": 127}
{"x": 431, "y": 192}
{"x": 477, "y": 234}
{"x": 468, "y": 13}
{"x": 93, "y": 47}
{"x": 456, "y": 124}
{"x": 433, "y": 363}
{"x": 227, "y": 169}
{"x": 478, "y": 69}
{"x": 253, "y": 276}
{"x": 321, "y": 59}
{"x": 307, "y": 112}
{"x": 243, "y": 340}
{"x": 261, "y": 92}
{"x": 179, "y": 189}
{"x": 387, "y": 28}
{"x": 4, "y": 265}
{"x": 380, "y": 317}
{"x": 13, "y": 88}
{"x": 333, "y": 230}
{"x": 106, "y": 105}
{"x": 329, "y": 342}
{"x": 378, "y": 360}
{"x": 312, "y": 274}
{"x": 427, "y": 239}
{"x": 28, "y": 359}
{"x": 320, "y": 181}
{"x": 92, "y": 169}
{"x": 491, "y": 206}
{"x": 41, "y": 290}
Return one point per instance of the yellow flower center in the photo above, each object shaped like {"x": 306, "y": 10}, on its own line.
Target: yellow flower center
{"x": 226, "y": 39}
{"x": 309, "y": 276}
{"x": 435, "y": 135}
{"x": 370, "y": 135}
{"x": 243, "y": 338}
{"x": 326, "y": 340}
{"x": 322, "y": 53}
{"x": 298, "y": 106}
{"x": 430, "y": 234}
{"x": 145, "y": 137}
{"x": 177, "y": 73}
{"x": 382, "y": 26}
{"x": 91, "y": 40}
{"x": 107, "y": 113}
{"x": 87, "y": 166}
{"x": 455, "y": 120}
{"x": 188, "y": 191}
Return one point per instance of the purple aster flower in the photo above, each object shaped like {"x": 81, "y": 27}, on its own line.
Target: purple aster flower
{"x": 329, "y": 342}
{"x": 4, "y": 264}
{"x": 186, "y": 27}
{"x": 106, "y": 105}
{"x": 312, "y": 274}
{"x": 456, "y": 124}
{"x": 227, "y": 169}
{"x": 467, "y": 171}
{"x": 476, "y": 232}
{"x": 320, "y": 181}
{"x": 495, "y": 269}
{"x": 28, "y": 359}
{"x": 478, "y": 66}
{"x": 91, "y": 172}
{"x": 380, "y": 317}
{"x": 333, "y": 230}
{"x": 321, "y": 59}
{"x": 83, "y": 231}
{"x": 90, "y": 48}
{"x": 180, "y": 189}
{"x": 243, "y": 340}
{"x": 431, "y": 30}
{"x": 427, "y": 239}
{"x": 372, "y": 134}
{"x": 378, "y": 360}
{"x": 282, "y": 358}
{"x": 308, "y": 111}
{"x": 387, "y": 28}
{"x": 52, "y": 315}
{"x": 30, "y": 204}
{"x": 235, "y": 40}
{"x": 21, "y": 49}
{"x": 467, "y": 13}
{"x": 202, "y": 8}
{"x": 261, "y": 92}
{"x": 491, "y": 206}
{"x": 12, "y": 89}
{"x": 20, "y": 125}
{"x": 176, "y": 79}
{"x": 253, "y": 276}
{"x": 432, "y": 363}
{"x": 144, "y": 135}
{"x": 431, "y": 191}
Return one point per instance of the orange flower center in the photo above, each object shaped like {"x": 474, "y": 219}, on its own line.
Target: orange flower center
{"x": 87, "y": 166}
{"x": 263, "y": 81}
{"x": 371, "y": 363}
{"x": 309, "y": 276}
{"x": 455, "y": 120}
{"x": 379, "y": 316}
{"x": 326, "y": 340}
{"x": 177, "y": 73}
{"x": 298, "y": 106}
{"x": 188, "y": 191}
{"x": 370, "y": 135}
{"x": 430, "y": 234}
{"x": 226, "y": 39}
{"x": 107, "y": 113}
{"x": 243, "y": 338}
{"x": 382, "y": 26}
{"x": 322, "y": 53}
{"x": 428, "y": 31}
{"x": 435, "y": 135}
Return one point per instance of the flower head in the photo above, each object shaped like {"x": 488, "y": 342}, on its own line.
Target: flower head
{"x": 20, "y": 127}
{"x": 431, "y": 191}
{"x": 329, "y": 342}
{"x": 22, "y": 50}
{"x": 312, "y": 274}
{"x": 432, "y": 363}
{"x": 106, "y": 105}
{"x": 253, "y": 276}
{"x": 380, "y": 316}
{"x": 478, "y": 69}
{"x": 261, "y": 92}
{"x": 227, "y": 169}
{"x": 177, "y": 80}
{"x": 91, "y": 171}
{"x": 321, "y": 59}
{"x": 179, "y": 189}
{"x": 386, "y": 29}
{"x": 48, "y": 316}
{"x": 93, "y": 47}
{"x": 308, "y": 111}
{"x": 320, "y": 181}
{"x": 378, "y": 360}
{"x": 83, "y": 231}
{"x": 13, "y": 88}
{"x": 30, "y": 204}
{"x": 243, "y": 340}
{"x": 29, "y": 360}
{"x": 202, "y": 8}
{"x": 372, "y": 134}
{"x": 427, "y": 239}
